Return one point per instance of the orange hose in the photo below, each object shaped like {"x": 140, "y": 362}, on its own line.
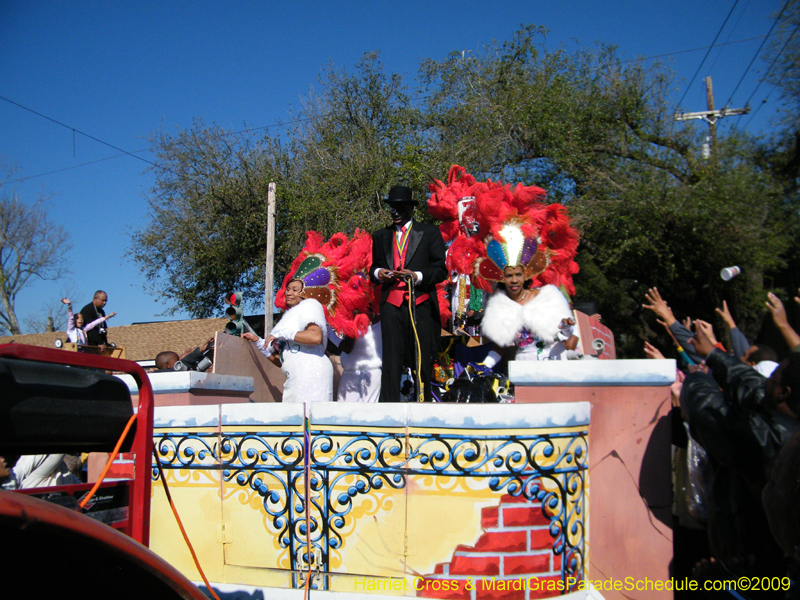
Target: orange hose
{"x": 180, "y": 525}
{"x": 111, "y": 459}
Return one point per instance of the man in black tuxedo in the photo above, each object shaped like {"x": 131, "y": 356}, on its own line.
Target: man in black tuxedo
{"x": 407, "y": 251}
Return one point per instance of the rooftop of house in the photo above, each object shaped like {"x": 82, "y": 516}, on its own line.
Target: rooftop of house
{"x": 142, "y": 341}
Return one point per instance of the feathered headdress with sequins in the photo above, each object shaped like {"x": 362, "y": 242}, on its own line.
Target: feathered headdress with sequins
{"x": 515, "y": 228}
{"x": 335, "y": 274}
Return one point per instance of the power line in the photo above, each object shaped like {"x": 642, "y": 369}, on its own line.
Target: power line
{"x": 773, "y": 63}
{"x": 747, "y": 70}
{"x": 266, "y": 127}
{"x": 732, "y": 31}
{"x": 91, "y": 162}
{"x": 707, "y": 53}
{"x": 786, "y": 70}
{"x": 74, "y": 130}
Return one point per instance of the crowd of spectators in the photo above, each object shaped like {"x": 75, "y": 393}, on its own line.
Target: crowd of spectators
{"x": 737, "y": 460}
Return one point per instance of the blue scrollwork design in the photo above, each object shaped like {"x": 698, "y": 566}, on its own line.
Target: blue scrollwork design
{"x": 547, "y": 468}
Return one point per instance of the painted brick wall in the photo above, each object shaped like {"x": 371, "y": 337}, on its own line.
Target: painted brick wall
{"x": 589, "y": 330}
{"x": 515, "y": 547}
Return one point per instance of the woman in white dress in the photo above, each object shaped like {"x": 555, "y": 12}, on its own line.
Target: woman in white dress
{"x": 300, "y": 335}
{"x": 538, "y": 322}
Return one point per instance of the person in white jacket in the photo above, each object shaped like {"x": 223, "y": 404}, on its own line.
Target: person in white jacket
{"x": 538, "y": 322}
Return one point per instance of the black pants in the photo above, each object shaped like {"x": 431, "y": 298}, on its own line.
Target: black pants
{"x": 399, "y": 346}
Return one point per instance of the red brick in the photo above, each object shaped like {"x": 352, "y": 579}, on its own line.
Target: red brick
{"x": 120, "y": 470}
{"x": 489, "y": 517}
{"x": 541, "y": 539}
{"x": 509, "y": 499}
{"x": 509, "y": 593}
{"x": 457, "y": 589}
{"x": 538, "y": 587}
{"x": 505, "y": 541}
{"x": 529, "y": 564}
{"x": 514, "y": 516}
{"x": 475, "y": 565}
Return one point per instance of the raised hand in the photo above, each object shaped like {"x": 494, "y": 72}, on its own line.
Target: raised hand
{"x": 775, "y": 307}
{"x": 704, "y": 341}
{"x": 659, "y": 306}
{"x": 651, "y": 351}
{"x": 726, "y": 315}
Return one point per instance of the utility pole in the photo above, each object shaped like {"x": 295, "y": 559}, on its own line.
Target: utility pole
{"x": 711, "y": 117}
{"x": 270, "y": 261}
{"x": 712, "y": 125}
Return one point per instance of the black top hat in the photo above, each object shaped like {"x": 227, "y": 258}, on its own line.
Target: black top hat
{"x": 399, "y": 194}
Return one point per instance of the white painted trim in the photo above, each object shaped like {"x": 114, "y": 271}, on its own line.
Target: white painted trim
{"x": 587, "y": 373}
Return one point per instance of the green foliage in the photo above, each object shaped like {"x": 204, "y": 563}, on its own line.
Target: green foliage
{"x": 783, "y": 64}
{"x": 208, "y": 214}
{"x": 596, "y": 132}
{"x": 599, "y": 135}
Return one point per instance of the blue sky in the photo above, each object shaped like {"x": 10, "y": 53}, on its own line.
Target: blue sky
{"x": 119, "y": 71}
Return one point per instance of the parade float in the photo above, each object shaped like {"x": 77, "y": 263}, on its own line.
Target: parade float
{"x": 566, "y": 487}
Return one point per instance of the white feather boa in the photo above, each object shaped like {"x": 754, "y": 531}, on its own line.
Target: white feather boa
{"x": 504, "y": 318}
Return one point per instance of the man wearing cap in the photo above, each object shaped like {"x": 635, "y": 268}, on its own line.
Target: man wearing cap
{"x": 407, "y": 251}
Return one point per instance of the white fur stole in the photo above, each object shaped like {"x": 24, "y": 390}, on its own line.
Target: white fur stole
{"x": 504, "y": 318}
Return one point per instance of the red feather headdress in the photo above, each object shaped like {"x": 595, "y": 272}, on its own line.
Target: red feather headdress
{"x": 335, "y": 274}
{"x": 515, "y": 227}
{"x": 443, "y": 203}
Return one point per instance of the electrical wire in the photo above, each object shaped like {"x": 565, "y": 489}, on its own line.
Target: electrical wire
{"x": 91, "y": 162}
{"x": 789, "y": 39}
{"x": 74, "y": 130}
{"x": 733, "y": 29}
{"x": 300, "y": 120}
{"x": 307, "y": 475}
{"x": 747, "y": 70}
{"x": 707, "y": 53}
{"x": 420, "y": 384}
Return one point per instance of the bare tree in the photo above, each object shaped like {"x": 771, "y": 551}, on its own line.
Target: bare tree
{"x": 31, "y": 246}
{"x": 50, "y": 316}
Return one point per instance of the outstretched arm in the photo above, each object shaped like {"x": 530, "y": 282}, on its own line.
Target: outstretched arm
{"x": 70, "y": 315}
{"x": 265, "y": 346}
{"x": 659, "y": 306}
{"x": 94, "y": 323}
{"x": 781, "y": 321}
{"x": 739, "y": 342}
{"x": 652, "y": 352}
{"x": 679, "y": 332}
